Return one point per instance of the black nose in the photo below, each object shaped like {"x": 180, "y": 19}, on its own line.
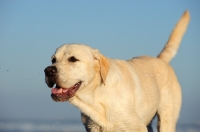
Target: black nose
{"x": 50, "y": 71}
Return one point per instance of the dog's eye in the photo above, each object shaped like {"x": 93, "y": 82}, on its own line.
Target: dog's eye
{"x": 72, "y": 59}
{"x": 53, "y": 60}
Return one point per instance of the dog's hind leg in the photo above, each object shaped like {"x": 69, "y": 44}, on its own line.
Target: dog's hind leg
{"x": 169, "y": 108}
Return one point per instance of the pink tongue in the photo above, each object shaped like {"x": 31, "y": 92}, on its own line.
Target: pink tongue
{"x": 59, "y": 91}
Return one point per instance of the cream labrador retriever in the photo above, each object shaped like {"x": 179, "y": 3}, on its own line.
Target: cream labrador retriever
{"x": 119, "y": 95}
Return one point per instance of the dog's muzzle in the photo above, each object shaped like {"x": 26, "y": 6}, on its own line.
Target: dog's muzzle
{"x": 58, "y": 93}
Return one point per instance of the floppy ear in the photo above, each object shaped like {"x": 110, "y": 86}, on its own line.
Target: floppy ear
{"x": 104, "y": 65}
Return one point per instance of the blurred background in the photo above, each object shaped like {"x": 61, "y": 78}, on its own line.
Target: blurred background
{"x": 31, "y": 30}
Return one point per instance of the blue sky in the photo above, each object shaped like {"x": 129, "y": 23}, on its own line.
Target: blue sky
{"x": 30, "y": 31}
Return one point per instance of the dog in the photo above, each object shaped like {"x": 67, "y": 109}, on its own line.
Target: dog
{"x": 119, "y": 95}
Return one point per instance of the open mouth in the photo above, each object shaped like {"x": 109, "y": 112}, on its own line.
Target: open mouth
{"x": 63, "y": 94}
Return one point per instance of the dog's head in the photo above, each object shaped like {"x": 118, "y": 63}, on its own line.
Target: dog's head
{"x": 75, "y": 67}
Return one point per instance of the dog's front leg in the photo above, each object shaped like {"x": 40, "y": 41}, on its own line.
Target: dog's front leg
{"x": 89, "y": 124}
{"x": 92, "y": 115}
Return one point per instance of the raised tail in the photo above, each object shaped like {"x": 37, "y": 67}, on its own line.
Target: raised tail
{"x": 170, "y": 49}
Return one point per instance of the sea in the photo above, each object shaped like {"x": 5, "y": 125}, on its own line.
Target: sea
{"x": 66, "y": 126}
